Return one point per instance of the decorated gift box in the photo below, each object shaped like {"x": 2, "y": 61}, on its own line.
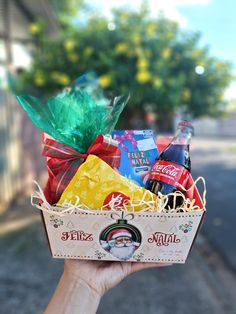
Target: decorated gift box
{"x": 123, "y": 235}
{"x": 91, "y": 208}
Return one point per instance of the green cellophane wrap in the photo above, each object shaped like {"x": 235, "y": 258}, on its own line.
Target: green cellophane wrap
{"x": 75, "y": 116}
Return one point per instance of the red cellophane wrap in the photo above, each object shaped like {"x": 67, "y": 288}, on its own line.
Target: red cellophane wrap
{"x": 63, "y": 162}
{"x": 192, "y": 192}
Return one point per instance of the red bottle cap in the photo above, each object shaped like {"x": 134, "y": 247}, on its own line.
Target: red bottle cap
{"x": 186, "y": 124}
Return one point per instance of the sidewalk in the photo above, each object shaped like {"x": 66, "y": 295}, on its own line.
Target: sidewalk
{"x": 29, "y": 274}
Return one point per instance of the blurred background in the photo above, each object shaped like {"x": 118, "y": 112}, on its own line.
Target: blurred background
{"x": 177, "y": 59}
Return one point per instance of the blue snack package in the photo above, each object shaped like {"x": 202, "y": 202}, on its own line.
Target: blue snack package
{"x": 138, "y": 153}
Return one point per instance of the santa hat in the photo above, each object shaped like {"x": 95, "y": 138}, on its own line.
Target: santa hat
{"x": 122, "y": 232}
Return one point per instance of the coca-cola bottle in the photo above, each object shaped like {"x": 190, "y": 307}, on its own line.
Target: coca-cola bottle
{"x": 171, "y": 170}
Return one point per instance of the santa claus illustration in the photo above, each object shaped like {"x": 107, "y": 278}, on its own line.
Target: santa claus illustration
{"x": 120, "y": 242}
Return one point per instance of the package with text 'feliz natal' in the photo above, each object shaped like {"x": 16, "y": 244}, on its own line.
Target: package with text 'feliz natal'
{"x": 138, "y": 153}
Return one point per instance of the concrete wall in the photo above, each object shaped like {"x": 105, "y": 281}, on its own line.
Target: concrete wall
{"x": 225, "y": 127}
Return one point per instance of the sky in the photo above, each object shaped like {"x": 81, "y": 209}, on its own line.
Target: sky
{"x": 215, "y": 19}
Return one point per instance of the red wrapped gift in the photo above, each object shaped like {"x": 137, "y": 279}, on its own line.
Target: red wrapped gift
{"x": 63, "y": 162}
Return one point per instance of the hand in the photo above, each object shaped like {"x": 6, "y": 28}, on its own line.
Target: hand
{"x": 100, "y": 276}
{"x": 83, "y": 283}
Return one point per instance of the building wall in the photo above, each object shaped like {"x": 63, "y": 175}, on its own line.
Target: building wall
{"x": 20, "y": 141}
{"x": 225, "y": 127}
{"x": 9, "y": 148}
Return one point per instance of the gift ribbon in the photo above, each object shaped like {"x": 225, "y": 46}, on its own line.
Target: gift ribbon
{"x": 122, "y": 216}
{"x": 127, "y": 136}
{"x": 63, "y": 162}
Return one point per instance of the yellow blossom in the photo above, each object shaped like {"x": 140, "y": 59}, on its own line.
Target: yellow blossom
{"x": 170, "y": 35}
{"x": 219, "y": 65}
{"x": 105, "y": 80}
{"x": 151, "y": 29}
{"x": 142, "y": 63}
{"x": 121, "y": 48}
{"x": 201, "y": 63}
{"x": 143, "y": 76}
{"x": 124, "y": 15}
{"x": 198, "y": 53}
{"x": 88, "y": 51}
{"x": 166, "y": 53}
{"x": 136, "y": 38}
{"x": 73, "y": 57}
{"x": 65, "y": 80}
{"x": 69, "y": 44}
{"x": 39, "y": 78}
{"x": 34, "y": 28}
{"x": 137, "y": 51}
{"x": 60, "y": 78}
{"x": 157, "y": 82}
{"x": 186, "y": 94}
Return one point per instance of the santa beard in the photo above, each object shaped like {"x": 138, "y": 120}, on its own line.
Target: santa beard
{"x": 123, "y": 253}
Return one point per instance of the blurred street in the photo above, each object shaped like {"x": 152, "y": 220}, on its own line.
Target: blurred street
{"x": 215, "y": 159}
{"x": 205, "y": 284}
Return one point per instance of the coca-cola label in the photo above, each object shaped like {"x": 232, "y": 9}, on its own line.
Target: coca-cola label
{"x": 170, "y": 173}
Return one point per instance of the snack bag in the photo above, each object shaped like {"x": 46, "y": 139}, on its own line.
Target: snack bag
{"x": 98, "y": 186}
{"x": 138, "y": 153}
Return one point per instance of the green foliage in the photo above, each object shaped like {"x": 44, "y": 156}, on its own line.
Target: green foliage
{"x": 66, "y": 9}
{"x": 152, "y": 58}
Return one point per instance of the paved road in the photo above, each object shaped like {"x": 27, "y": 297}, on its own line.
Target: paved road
{"x": 205, "y": 284}
{"x": 28, "y": 276}
{"x": 199, "y": 286}
{"x": 215, "y": 159}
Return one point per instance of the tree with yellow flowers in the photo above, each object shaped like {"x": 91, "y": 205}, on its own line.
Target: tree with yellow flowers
{"x": 152, "y": 58}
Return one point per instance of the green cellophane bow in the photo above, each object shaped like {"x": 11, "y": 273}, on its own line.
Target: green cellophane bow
{"x": 75, "y": 117}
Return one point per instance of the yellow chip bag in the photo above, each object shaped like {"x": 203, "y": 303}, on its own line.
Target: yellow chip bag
{"x": 99, "y": 186}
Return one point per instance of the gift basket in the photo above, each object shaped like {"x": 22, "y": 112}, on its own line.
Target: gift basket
{"x": 112, "y": 194}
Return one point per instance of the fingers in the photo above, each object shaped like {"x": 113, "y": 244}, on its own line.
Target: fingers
{"x": 139, "y": 266}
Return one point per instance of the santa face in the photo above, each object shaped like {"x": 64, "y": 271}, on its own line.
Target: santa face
{"x": 123, "y": 248}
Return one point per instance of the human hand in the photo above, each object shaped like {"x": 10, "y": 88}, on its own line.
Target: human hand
{"x": 100, "y": 276}
{"x": 83, "y": 283}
